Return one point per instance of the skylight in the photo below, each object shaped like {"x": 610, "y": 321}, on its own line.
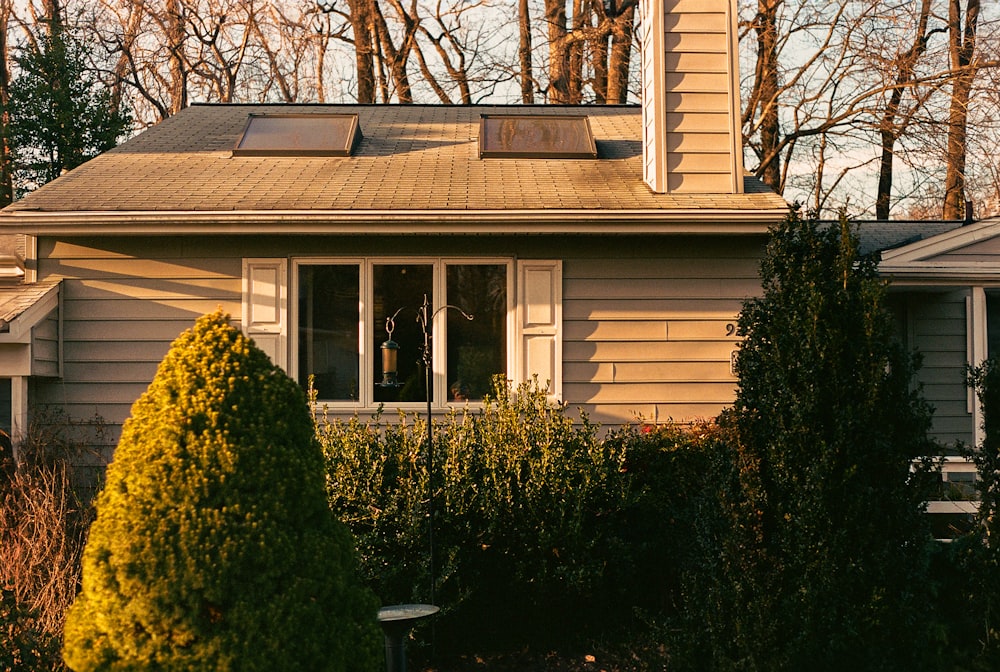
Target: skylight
{"x": 299, "y": 135}
{"x": 537, "y": 136}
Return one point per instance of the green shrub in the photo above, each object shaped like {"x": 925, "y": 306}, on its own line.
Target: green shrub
{"x": 213, "y": 547}
{"x": 26, "y": 645}
{"x": 972, "y": 599}
{"x": 528, "y": 506}
{"x": 824, "y": 565}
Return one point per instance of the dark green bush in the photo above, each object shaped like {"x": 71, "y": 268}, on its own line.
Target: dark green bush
{"x": 528, "y": 511}
{"x": 213, "y": 547}
{"x": 25, "y": 645}
{"x": 971, "y": 565}
{"x": 824, "y": 565}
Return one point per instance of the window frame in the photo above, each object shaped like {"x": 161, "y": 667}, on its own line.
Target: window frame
{"x": 367, "y": 324}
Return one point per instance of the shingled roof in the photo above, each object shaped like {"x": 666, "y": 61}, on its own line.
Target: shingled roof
{"x": 16, "y": 300}
{"x": 415, "y": 163}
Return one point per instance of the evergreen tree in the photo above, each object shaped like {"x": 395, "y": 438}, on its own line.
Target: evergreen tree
{"x": 60, "y": 114}
{"x": 214, "y": 547}
{"x": 834, "y": 550}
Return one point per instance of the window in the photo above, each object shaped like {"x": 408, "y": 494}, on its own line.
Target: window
{"x": 992, "y": 323}
{"x": 536, "y": 136}
{"x": 6, "y": 399}
{"x": 339, "y": 325}
{"x": 299, "y": 135}
{"x": 325, "y": 317}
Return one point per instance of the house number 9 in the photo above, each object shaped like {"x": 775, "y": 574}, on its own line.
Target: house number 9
{"x": 730, "y": 329}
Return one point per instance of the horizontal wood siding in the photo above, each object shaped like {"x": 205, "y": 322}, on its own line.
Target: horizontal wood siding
{"x": 651, "y": 337}
{"x": 688, "y": 83}
{"x": 124, "y": 302}
{"x": 45, "y": 347}
{"x": 936, "y": 326}
{"x": 648, "y": 325}
{"x": 697, "y": 98}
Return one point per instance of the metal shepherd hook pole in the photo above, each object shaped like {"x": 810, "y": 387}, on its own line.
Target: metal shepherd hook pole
{"x": 426, "y": 319}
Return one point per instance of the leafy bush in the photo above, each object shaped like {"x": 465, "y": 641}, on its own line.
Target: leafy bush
{"x": 972, "y": 563}
{"x": 824, "y": 564}
{"x": 527, "y": 510}
{"x": 213, "y": 547}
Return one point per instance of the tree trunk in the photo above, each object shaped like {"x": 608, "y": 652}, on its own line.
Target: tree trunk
{"x": 361, "y": 24}
{"x": 581, "y": 22}
{"x": 962, "y": 47}
{"x": 178, "y": 69}
{"x": 6, "y": 169}
{"x": 889, "y": 131}
{"x": 524, "y": 53}
{"x": 619, "y": 61}
{"x": 767, "y": 84}
{"x": 559, "y": 65}
{"x": 396, "y": 59}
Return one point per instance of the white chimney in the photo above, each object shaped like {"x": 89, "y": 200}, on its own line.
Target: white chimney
{"x": 690, "y": 97}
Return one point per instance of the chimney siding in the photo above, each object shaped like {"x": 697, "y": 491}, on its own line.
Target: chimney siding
{"x": 690, "y": 97}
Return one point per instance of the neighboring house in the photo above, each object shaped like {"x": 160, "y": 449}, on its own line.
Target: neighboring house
{"x": 605, "y": 250}
{"x": 945, "y": 292}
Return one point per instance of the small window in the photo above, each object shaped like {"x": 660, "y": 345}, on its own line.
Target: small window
{"x": 536, "y": 136}
{"x": 6, "y": 397}
{"x": 299, "y": 135}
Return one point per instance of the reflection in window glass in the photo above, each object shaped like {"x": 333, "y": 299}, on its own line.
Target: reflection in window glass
{"x": 328, "y": 330}
{"x": 5, "y": 405}
{"x": 992, "y": 324}
{"x": 398, "y": 286}
{"x": 477, "y": 349}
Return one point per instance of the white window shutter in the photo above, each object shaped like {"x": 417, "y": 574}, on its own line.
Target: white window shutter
{"x": 265, "y": 306}
{"x": 539, "y": 323}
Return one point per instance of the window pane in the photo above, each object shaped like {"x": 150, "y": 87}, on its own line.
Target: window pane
{"x": 5, "y": 405}
{"x": 477, "y": 349}
{"x": 328, "y": 330}
{"x": 992, "y": 324}
{"x": 403, "y": 286}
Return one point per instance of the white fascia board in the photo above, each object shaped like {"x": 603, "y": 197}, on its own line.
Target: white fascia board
{"x": 941, "y": 274}
{"x": 371, "y": 222}
{"x": 944, "y": 242}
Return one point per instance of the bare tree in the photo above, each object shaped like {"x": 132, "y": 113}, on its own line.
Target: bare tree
{"x": 890, "y": 125}
{"x": 962, "y": 49}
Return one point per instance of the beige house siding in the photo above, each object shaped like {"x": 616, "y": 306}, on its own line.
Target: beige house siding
{"x": 935, "y": 324}
{"x": 649, "y": 334}
{"x": 648, "y": 326}
{"x": 124, "y": 301}
{"x": 690, "y": 108}
{"x": 45, "y": 347}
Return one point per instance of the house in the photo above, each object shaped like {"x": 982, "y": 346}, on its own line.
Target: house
{"x": 605, "y": 250}
{"x": 945, "y": 291}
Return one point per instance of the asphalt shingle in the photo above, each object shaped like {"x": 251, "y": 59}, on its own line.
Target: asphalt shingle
{"x": 412, "y": 158}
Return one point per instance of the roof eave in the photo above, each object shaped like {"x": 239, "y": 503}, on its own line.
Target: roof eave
{"x": 394, "y": 222}
{"x": 939, "y": 275}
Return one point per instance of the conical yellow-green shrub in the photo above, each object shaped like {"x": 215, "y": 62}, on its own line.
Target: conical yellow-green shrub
{"x": 214, "y": 547}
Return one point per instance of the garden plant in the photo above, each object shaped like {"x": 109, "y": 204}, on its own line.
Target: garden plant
{"x": 213, "y": 546}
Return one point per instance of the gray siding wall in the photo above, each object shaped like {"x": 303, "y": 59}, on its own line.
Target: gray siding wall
{"x": 648, "y": 325}
{"x": 935, "y": 324}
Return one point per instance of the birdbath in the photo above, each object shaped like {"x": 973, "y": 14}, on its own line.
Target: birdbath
{"x": 397, "y": 621}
